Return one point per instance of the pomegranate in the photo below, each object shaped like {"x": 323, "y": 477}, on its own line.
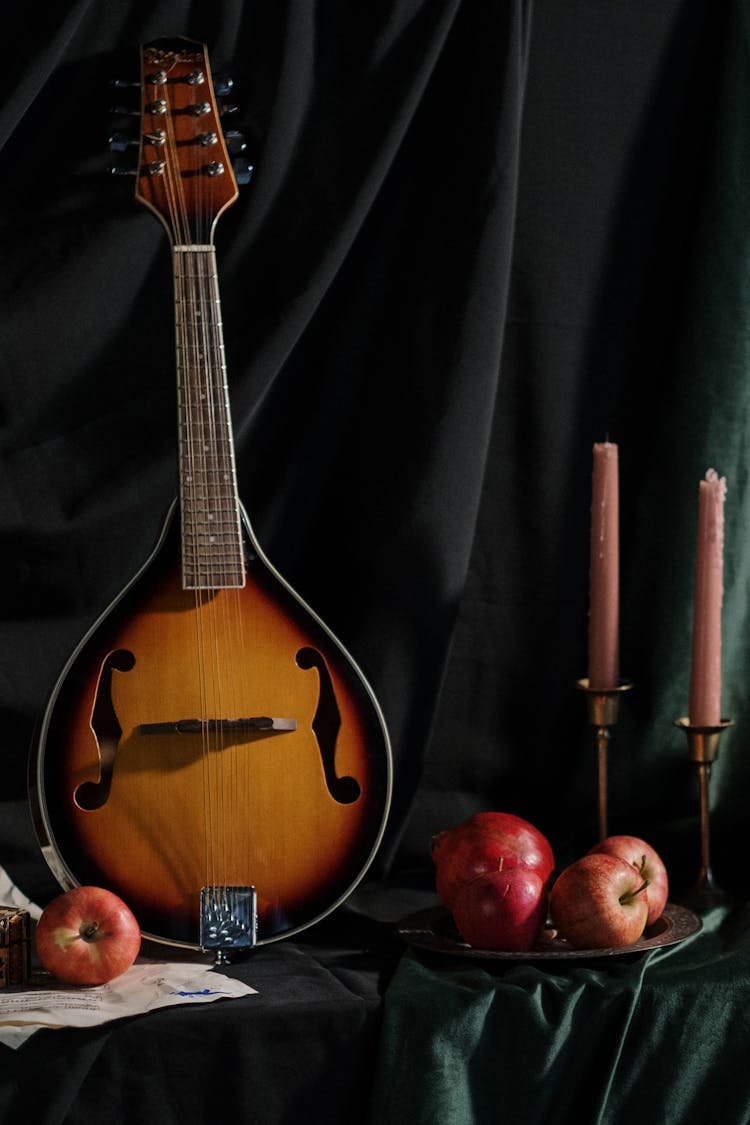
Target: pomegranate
{"x": 482, "y": 844}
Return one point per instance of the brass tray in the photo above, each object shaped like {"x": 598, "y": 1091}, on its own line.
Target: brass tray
{"x": 434, "y": 930}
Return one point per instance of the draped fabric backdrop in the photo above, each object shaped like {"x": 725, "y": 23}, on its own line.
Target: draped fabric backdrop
{"x": 480, "y": 236}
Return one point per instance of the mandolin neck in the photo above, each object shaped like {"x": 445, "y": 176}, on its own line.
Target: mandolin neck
{"x": 212, "y": 545}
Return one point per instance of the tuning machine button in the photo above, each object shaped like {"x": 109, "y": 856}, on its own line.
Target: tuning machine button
{"x": 199, "y": 109}
{"x": 223, "y": 85}
{"x": 158, "y": 78}
{"x": 121, "y": 169}
{"x": 121, "y": 142}
{"x": 207, "y": 139}
{"x": 215, "y": 168}
{"x": 243, "y": 170}
{"x": 125, "y": 157}
{"x": 235, "y": 141}
{"x": 157, "y": 108}
{"x": 195, "y": 78}
{"x": 156, "y": 167}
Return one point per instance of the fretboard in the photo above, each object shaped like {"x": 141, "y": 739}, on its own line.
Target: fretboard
{"x": 212, "y": 549}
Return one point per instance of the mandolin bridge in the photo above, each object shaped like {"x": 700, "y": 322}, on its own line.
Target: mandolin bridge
{"x": 229, "y": 920}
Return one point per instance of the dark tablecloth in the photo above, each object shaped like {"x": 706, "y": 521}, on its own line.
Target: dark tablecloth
{"x": 301, "y": 1050}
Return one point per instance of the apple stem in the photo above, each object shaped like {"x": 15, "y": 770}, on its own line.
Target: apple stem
{"x": 88, "y": 930}
{"x": 633, "y": 894}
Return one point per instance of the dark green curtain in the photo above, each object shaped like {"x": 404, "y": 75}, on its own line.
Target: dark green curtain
{"x": 625, "y": 319}
{"x": 699, "y": 421}
{"x": 659, "y": 1037}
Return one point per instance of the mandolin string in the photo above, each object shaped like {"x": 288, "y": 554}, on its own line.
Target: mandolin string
{"x": 228, "y": 555}
{"x": 201, "y": 321}
{"x": 194, "y": 310}
{"x": 203, "y": 601}
{"x": 214, "y": 531}
{"x": 211, "y": 372}
{"x": 222, "y": 609}
{"x": 176, "y": 214}
{"x": 227, "y": 748}
{"x": 225, "y": 544}
{"x": 206, "y": 370}
{"x": 192, "y": 421}
{"x": 213, "y": 515}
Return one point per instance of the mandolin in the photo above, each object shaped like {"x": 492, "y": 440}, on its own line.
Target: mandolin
{"x": 210, "y": 751}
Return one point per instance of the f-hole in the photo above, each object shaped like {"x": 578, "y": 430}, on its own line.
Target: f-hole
{"x": 92, "y": 795}
{"x": 326, "y": 725}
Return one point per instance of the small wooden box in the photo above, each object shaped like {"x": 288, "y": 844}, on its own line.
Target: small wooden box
{"x": 15, "y": 946}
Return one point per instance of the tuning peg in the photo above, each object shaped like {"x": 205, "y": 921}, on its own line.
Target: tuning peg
{"x": 124, "y": 111}
{"x": 243, "y": 170}
{"x": 121, "y": 142}
{"x": 223, "y": 85}
{"x": 235, "y": 141}
{"x": 227, "y": 108}
{"x": 120, "y": 169}
{"x": 122, "y": 83}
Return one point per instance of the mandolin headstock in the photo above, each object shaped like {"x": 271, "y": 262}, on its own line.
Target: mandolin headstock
{"x": 185, "y": 173}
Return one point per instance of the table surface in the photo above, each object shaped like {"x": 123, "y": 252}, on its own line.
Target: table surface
{"x": 351, "y": 1023}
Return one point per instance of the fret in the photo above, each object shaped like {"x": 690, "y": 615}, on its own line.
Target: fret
{"x": 205, "y": 427}
{"x": 212, "y": 548}
{"x": 197, "y": 349}
{"x": 198, "y": 522}
{"x": 200, "y": 515}
{"x": 207, "y": 494}
{"x": 207, "y": 553}
{"x": 196, "y": 511}
{"x": 210, "y": 556}
{"x": 190, "y": 313}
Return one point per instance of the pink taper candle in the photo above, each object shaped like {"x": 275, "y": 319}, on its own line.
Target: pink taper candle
{"x": 704, "y": 709}
{"x": 604, "y": 594}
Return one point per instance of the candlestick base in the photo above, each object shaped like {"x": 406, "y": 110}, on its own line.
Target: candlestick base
{"x": 703, "y": 745}
{"x": 603, "y": 708}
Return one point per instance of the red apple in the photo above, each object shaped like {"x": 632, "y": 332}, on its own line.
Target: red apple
{"x": 87, "y": 936}
{"x": 599, "y": 901}
{"x": 502, "y": 910}
{"x": 477, "y": 846}
{"x": 648, "y": 864}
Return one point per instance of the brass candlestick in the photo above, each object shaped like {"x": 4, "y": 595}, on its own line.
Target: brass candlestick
{"x": 603, "y": 706}
{"x": 703, "y": 744}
